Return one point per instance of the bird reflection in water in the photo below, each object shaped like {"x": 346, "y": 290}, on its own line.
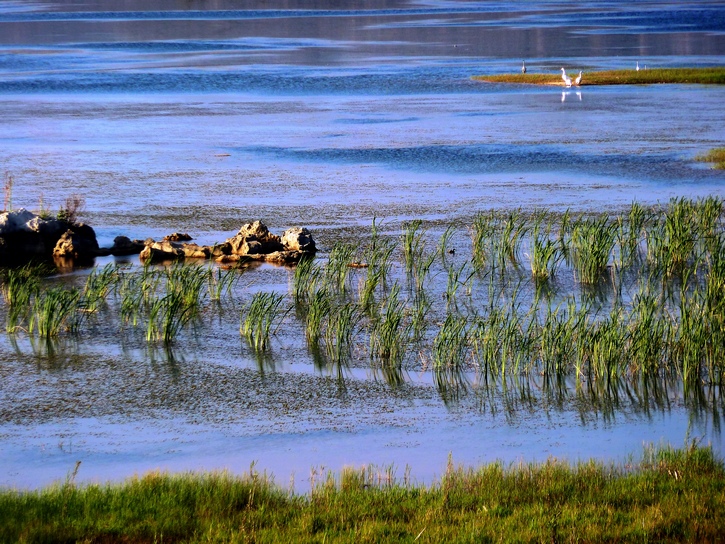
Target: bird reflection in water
{"x": 564, "y": 94}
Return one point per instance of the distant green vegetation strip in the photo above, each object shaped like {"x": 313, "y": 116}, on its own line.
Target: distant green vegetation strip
{"x": 618, "y": 77}
{"x": 716, "y": 156}
{"x": 672, "y": 495}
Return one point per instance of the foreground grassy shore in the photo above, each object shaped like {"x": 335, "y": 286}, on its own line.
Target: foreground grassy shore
{"x": 618, "y": 77}
{"x": 671, "y": 495}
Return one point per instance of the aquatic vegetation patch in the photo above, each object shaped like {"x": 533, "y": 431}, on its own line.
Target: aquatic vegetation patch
{"x": 605, "y": 296}
{"x": 715, "y": 156}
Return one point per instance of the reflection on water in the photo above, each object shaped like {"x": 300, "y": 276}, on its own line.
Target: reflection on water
{"x": 608, "y": 400}
{"x": 565, "y": 94}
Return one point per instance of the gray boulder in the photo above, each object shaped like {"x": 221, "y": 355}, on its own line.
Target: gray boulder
{"x": 298, "y": 239}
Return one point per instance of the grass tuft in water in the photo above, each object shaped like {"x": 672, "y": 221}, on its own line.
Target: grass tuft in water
{"x": 390, "y": 332}
{"x": 221, "y": 282}
{"x": 258, "y": 318}
{"x": 55, "y": 311}
{"x": 592, "y": 242}
{"x": 338, "y": 266}
{"x": 20, "y": 287}
{"x": 342, "y": 325}
{"x": 168, "y": 315}
{"x": 451, "y": 346}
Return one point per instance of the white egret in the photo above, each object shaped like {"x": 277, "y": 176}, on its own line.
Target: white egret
{"x": 578, "y": 79}
{"x": 637, "y": 66}
{"x": 523, "y": 67}
{"x": 566, "y": 78}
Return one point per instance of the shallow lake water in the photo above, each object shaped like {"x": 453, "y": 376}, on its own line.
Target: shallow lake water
{"x": 198, "y": 117}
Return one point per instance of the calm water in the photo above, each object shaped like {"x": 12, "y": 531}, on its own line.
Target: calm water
{"x": 197, "y": 116}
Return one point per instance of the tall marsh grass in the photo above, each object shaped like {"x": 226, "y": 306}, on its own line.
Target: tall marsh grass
{"x": 259, "y": 318}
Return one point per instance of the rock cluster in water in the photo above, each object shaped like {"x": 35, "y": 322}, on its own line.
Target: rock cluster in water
{"x": 25, "y": 236}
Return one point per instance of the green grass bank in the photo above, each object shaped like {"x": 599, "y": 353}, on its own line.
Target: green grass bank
{"x": 669, "y": 495}
{"x": 711, "y": 76}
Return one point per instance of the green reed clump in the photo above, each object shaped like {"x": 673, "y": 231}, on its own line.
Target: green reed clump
{"x": 649, "y": 329}
{"x": 709, "y": 212}
{"x": 486, "y": 344}
{"x": 221, "y": 282}
{"x": 168, "y": 315}
{"x": 98, "y": 286}
{"x": 483, "y": 231}
{"x": 20, "y": 287}
{"x": 603, "y": 345}
{"x": 512, "y": 232}
{"x": 317, "y": 311}
{"x": 456, "y": 278}
{"x": 379, "y": 252}
{"x": 545, "y": 254}
{"x": 680, "y": 230}
{"x": 188, "y": 282}
{"x": 497, "y": 238}
{"x": 593, "y": 242}
{"x": 390, "y": 331}
{"x": 133, "y": 297}
{"x": 451, "y": 345}
{"x": 631, "y": 233}
{"x": 421, "y": 305}
{"x": 342, "y": 324}
{"x": 558, "y": 335}
{"x": 305, "y": 279}
{"x": 258, "y": 318}
{"x": 445, "y": 241}
{"x": 413, "y": 243}
{"x": 54, "y": 311}
{"x": 418, "y": 262}
{"x": 21, "y": 284}
{"x": 338, "y": 266}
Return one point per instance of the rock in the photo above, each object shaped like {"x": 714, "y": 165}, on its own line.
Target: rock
{"x": 298, "y": 239}
{"x": 159, "y": 252}
{"x": 217, "y": 250}
{"x": 178, "y": 237}
{"x": 195, "y": 251}
{"x": 76, "y": 245}
{"x": 283, "y": 257}
{"x": 276, "y": 257}
{"x": 254, "y": 238}
{"x": 259, "y": 231}
{"x": 122, "y": 245}
{"x": 15, "y": 221}
{"x": 250, "y": 246}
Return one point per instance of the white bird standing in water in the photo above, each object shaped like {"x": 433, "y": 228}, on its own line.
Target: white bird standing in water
{"x": 578, "y": 79}
{"x": 637, "y": 66}
{"x": 566, "y": 78}
{"x": 523, "y": 67}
